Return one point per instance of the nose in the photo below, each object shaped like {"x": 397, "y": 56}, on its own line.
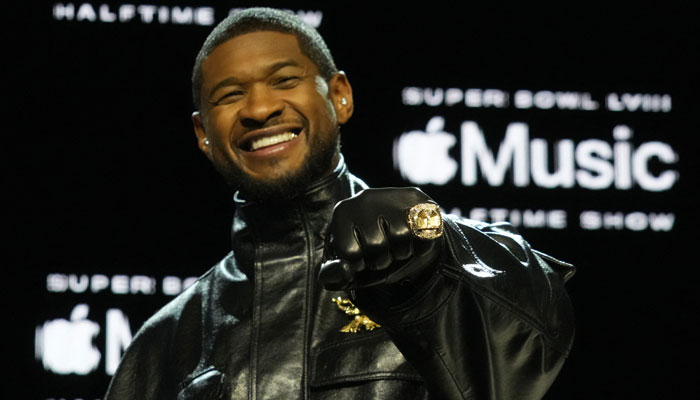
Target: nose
{"x": 260, "y": 106}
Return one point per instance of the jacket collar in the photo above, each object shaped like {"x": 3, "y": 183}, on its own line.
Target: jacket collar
{"x": 307, "y": 214}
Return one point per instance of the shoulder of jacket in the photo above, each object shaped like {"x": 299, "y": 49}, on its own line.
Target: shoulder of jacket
{"x": 168, "y": 317}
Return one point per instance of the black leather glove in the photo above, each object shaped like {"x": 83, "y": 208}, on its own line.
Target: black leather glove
{"x": 369, "y": 242}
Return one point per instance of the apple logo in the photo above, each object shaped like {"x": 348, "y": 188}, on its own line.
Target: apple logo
{"x": 65, "y": 346}
{"x": 422, "y": 157}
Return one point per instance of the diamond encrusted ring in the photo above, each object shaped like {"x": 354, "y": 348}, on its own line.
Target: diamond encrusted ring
{"x": 425, "y": 221}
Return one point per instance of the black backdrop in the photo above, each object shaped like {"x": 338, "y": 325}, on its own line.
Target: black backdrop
{"x": 105, "y": 180}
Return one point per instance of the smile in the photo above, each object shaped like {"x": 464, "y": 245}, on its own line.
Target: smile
{"x": 271, "y": 140}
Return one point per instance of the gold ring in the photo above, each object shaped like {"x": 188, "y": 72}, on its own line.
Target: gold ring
{"x": 425, "y": 221}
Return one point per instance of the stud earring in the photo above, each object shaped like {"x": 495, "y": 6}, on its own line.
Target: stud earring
{"x": 206, "y": 142}
{"x": 343, "y": 102}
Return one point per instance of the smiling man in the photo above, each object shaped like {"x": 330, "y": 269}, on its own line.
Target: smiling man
{"x": 269, "y": 119}
{"x": 448, "y": 308}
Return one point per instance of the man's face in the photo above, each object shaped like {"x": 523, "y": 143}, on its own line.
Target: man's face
{"x": 269, "y": 122}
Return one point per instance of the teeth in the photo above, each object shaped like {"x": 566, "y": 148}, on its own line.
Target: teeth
{"x": 270, "y": 140}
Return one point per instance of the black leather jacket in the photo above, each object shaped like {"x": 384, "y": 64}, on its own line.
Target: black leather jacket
{"x": 494, "y": 321}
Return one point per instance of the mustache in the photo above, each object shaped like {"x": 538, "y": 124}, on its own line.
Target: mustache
{"x": 251, "y": 124}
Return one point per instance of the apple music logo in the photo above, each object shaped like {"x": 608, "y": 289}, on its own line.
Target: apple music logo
{"x": 67, "y": 346}
{"x": 422, "y": 157}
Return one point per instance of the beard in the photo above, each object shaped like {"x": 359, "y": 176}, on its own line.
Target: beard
{"x": 292, "y": 184}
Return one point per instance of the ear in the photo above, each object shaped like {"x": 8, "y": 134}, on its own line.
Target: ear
{"x": 340, "y": 93}
{"x": 201, "y": 134}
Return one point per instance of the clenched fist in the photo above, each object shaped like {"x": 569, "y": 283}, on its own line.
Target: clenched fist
{"x": 369, "y": 241}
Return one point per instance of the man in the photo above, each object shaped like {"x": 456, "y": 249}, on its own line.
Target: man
{"x": 448, "y": 308}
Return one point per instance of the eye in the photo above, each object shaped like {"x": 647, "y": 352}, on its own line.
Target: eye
{"x": 230, "y": 97}
{"x": 287, "y": 82}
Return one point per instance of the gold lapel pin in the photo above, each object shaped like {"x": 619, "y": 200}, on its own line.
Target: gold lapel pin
{"x": 359, "y": 320}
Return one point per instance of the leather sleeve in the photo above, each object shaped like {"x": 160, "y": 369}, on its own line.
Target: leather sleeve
{"x": 164, "y": 350}
{"x": 494, "y": 322}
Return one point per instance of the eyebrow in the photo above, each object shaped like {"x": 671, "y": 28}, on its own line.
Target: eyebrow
{"x": 232, "y": 80}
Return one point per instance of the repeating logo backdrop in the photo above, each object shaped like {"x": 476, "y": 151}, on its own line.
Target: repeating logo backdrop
{"x": 578, "y": 129}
